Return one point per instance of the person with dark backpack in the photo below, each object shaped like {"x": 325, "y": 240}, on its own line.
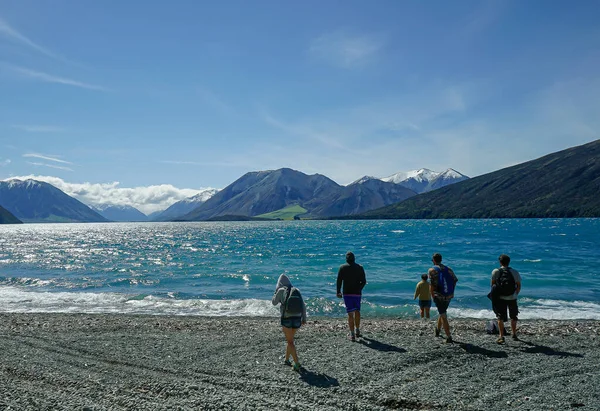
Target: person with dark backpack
{"x": 442, "y": 281}
{"x": 293, "y": 315}
{"x": 506, "y": 285}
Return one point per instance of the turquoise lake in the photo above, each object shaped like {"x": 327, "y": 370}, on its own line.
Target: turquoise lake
{"x": 231, "y": 268}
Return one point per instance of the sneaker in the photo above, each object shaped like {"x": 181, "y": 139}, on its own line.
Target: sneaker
{"x": 351, "y": 338}
{"x": 514, "y": 337}
{"x": 449, "y": 340}
{"x": 500, "y": 340}
{"x": 437, "y": 331}
{"x": 288, "y": 363}
{"x": 358, "y": 334}
{"x": 297, "y": 366}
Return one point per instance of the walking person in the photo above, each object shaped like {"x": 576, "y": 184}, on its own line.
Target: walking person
{"x": 442, "y": 281}
{"x": 506, "y": 285}
{"x": 293, "y": 315}
{"x": 424, "y": 294}
{"x": 351, "y": 280}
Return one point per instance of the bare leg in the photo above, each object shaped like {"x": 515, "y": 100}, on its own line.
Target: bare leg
{"x": 291, "y": 347}
{"x": 501, "y": 328}
{"x": 426, "y": 313}
{"x": 422, "y": 312}
{"x": 357, "y": 319}
{"x": 439, "y": 322}
{"x": 513, "y": 326}
{"x": 351, "y": 322}
{"x": 444, "y": 319}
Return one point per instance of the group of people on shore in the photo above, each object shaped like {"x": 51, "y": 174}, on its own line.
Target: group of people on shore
{"x": 437, "y": 285}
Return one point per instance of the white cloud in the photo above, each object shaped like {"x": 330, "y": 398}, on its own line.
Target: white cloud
{"x": 146, "y": 199}
{"x": 38, "y": 128}
{"x": 50, "y": 166}
{"x": 45, "y": 157}
{"x": 49, "y": 78}
{"x": 9, "y": 32}
{"x": 4, "y": 163}
{"x": 346, "y": 50}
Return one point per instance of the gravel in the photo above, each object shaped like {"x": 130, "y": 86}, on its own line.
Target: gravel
{"x": 114, "y": 362}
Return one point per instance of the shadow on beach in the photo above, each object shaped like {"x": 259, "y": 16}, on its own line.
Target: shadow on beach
{"x": 317, "y": 379}
{"x": 543, "y": 349}
{"x": 474, "y": 349}
{"x": 378, "y": 345}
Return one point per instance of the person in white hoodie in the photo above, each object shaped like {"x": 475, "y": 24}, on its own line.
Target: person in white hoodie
{"x": 290, "y": 321}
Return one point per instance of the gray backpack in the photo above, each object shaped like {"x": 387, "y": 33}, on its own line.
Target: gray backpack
{"x": 293, "y": 303}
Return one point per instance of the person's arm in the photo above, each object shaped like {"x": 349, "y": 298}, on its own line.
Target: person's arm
{"x": 453, "y": 275}
{"x": 277, "y": 296}
{"x": 303, "y": 312}
{"x": 494, "y": 276}
{"x": 363, "y": 278}
{"x": 339, "y": 283}
{"x": 431, "y": 273}
{"x": 416, "y": 291}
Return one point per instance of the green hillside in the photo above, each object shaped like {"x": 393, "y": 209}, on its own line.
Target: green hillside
{"x": 287, "y": 213}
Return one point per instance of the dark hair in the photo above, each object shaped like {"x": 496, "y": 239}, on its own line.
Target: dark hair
{"x": 350, "y": 257}
{"x": 424, "y": 277}
{"x": 504, "y": 259}
{"x": 437, "y": 258}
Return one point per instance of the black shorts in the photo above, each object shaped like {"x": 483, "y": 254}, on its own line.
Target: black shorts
{"x": 499, "y": 306}
{"x": 441, "y": 304}
{"x": 293, "y": 322}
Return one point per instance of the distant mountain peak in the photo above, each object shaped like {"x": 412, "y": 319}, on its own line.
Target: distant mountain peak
{"x": 29, "y": 183}
{"x": 364, "y": 179}
{"x": 452, "y": 173}
{"x": 420, "y": 175}
{"x": 424, "y": 179}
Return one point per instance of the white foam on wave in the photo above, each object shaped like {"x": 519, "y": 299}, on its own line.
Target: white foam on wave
{"x": 16, "y": 300}
{"x": 539, "y": 310}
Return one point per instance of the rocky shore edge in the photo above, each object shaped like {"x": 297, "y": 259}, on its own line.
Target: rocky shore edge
{"x": 113, "y": 362}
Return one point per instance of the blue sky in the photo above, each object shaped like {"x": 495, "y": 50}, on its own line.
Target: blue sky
{"x": 159, "y": 99}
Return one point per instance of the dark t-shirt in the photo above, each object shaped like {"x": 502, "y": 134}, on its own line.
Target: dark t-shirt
{"x": 353, "y": 277}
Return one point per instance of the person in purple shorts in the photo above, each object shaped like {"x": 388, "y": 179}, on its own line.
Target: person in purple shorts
{"x": 351, "y": 280}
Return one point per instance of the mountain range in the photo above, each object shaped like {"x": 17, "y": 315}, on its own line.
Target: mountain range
{"x": 119, "y": 213}
{"x": 254, "y": 194}
{"x": 562, "y": 184}
{"x": 184, "y": 206}
{"x": 424, "y": 180}
{"x": 262, "y": 192}
{"x": 37, "y": 201}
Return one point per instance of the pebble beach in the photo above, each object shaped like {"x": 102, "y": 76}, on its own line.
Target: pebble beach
{"x": 121, "y": 362}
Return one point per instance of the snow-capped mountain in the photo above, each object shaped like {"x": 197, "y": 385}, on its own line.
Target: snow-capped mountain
{"x": 364, "y": 179}
{"x": 423, "y": 180}
{"x": 184, "y": 206}
{"x": 420, "y": 175}
{"x": 445, "y": 178}
{"x": 119, "y": 213}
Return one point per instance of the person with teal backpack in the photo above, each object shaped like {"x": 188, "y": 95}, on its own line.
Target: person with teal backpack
{"x": 293, "y": 315}
{"x": 442, "y": 281}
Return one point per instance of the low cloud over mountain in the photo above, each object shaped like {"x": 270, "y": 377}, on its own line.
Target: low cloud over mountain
{"x": 146, "y": 199}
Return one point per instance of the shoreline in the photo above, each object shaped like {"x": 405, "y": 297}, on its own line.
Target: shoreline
{"x": 124, "y": 361}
